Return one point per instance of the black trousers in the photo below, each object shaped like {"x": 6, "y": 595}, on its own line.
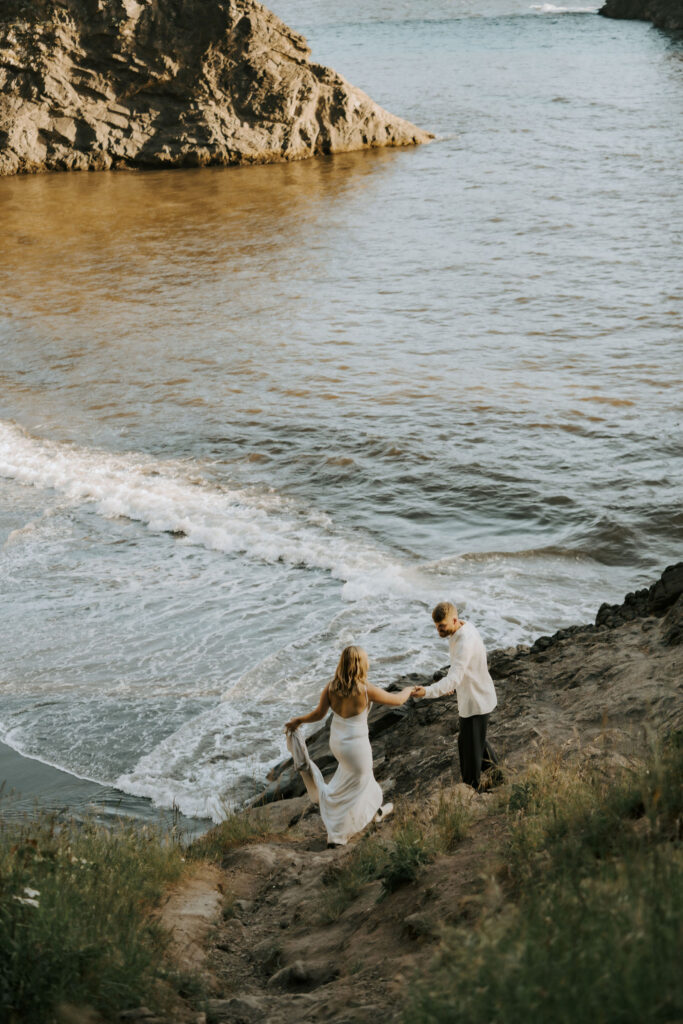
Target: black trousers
{"x": 476, "y": 753}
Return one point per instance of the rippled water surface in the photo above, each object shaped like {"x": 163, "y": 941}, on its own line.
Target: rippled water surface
{"x": 249, "y": 416}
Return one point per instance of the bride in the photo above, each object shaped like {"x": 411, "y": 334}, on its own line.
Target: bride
{"x": 352, "y": 797}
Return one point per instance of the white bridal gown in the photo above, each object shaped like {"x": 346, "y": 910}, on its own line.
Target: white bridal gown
{"x": 352, "y": 797}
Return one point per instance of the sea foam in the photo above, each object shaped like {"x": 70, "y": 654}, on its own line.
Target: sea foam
{"x": 175, "y": 497}
{"x": 552, "y": 9}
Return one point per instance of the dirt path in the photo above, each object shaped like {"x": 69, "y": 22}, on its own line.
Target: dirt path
{"x": 285, "y": 953}
{"x": 292, "y": 944}
{"x": 192, "y": 909}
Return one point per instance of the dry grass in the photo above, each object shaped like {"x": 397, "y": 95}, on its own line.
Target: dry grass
{"x": 238, "y": 829}
{"x": 419, "y": 833}
{"x": 591, "y": 927}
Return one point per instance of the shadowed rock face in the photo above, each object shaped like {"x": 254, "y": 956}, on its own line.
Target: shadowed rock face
{"x": 95, "y": 84}
{"x": 662, "y": 13}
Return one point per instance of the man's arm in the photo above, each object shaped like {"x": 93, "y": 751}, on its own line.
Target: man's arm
{"x": 455, "y": 673}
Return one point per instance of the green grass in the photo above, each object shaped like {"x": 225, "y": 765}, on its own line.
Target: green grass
{"x": 411, "y": 849}
{"x": 451, "y": 823}
{"x": 345, "y": 881}
{"x": 419, "y": 834}
{"x": 591, "y": 929}
{"x": 607, "y": 951}
{"x": 238, "y": 829}
{"x": 75, "y": 922}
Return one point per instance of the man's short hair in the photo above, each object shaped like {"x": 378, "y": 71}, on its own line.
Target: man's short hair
{"x": 443, "y": 610}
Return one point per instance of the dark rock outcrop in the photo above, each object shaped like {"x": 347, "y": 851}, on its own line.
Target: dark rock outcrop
{"x": 655, "y": 600}
{"x": 96, "y": 84}
{"x": 666, "y": 14}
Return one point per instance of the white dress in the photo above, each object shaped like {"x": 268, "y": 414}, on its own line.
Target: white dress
{"x": 353, "y": 796}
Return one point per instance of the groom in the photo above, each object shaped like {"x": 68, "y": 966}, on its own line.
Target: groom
{"x": 469, "y": 677}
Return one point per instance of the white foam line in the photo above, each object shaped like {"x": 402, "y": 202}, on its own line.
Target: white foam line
{"x": 172, "y": 497}
{"x": 552, "y": 9}
{"x": 189, "y": 767}
{"x": 13, "y": 745}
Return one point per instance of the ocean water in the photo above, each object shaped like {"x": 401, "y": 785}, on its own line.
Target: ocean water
{"x": 249, "y": 416}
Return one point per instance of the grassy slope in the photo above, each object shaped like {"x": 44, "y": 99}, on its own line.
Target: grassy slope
{"x": 576, "y": 917}
{"x": 590, "y": 927}
{"x": 75, "y": 922}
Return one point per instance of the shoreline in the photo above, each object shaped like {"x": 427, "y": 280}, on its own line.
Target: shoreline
{"x": 28, "y": 785}
{"x": 602, "y": 682}
{"x": 268, "y": 921}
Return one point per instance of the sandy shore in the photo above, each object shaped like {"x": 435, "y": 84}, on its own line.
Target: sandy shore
{"x": 29, "y": 785}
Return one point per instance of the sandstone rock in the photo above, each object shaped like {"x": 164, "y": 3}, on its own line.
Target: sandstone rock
{"x": 90, "y": 85}
{"x": 421, "y": 925}
{"x": 242, "y": 1009}
{"x": 267, "y": 954}
{"x": 301, "y": 976}
{"x": 666, "y": 14}
{"x": 286, "y": 786}
{"x": 69, "y": 1013}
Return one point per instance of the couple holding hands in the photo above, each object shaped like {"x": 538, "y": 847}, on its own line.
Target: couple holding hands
{"x": 352, "y": 798}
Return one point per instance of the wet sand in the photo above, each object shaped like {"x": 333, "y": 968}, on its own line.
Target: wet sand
{"x": 28, "y": 786}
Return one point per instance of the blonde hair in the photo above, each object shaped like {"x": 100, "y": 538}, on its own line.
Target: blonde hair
{"x": 443, "y": 610}
{"x": 351, "y": 675}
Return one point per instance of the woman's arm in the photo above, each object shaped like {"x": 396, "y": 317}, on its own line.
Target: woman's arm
{"x": 380, "y": 696}
{"x": 312, "y": 716}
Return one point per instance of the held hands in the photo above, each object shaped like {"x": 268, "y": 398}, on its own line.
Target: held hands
{"x": 292, "y": 725}
{"x": 418, "y": 691}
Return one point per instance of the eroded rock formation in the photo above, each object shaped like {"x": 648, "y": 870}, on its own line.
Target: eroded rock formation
{"x": 662, "y": 13}
{"x": 95, "y": 84}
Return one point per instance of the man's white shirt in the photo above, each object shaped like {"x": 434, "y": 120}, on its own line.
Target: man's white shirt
{"x": 468, "y": 675}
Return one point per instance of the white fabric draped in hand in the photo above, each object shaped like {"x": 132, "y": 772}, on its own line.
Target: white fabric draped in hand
{"x": 352, "y": 797}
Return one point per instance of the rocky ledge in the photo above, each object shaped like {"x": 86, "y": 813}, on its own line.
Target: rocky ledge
{"x": 98, "y": 84}
{"x": 315, "y": 935}
{"x": 666, "y": 14}
{"x": 601, "y": 682}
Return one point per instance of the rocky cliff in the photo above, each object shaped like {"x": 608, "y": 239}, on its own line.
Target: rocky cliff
{"x": 96, "y": 84}
{"x": 609, "y": 679}
{"x": 317, "y": 935}
{"x": 666, "y": 14}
